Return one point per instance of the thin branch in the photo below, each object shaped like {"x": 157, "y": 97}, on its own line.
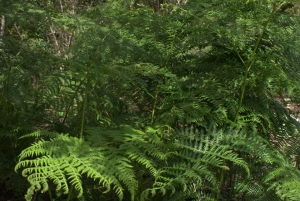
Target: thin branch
{"x": 55, "y": 39}
{"x": 18, "y": 32}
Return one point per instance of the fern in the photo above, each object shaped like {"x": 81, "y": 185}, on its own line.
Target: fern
{"x": 181, "y": 164}
{"x": 118, "y": 68}
{"x": 284, "y": 178}
{"x": 190, "y": 172}
{"x": 63, "y": 159}
{"x": 113, "y": 158}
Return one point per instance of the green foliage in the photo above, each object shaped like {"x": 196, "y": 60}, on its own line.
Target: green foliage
{"x": 115, "y": 158}
{"x": 109, "y": 73}
{"x": 175, "y": 165}
{"x": 286, "y": 185}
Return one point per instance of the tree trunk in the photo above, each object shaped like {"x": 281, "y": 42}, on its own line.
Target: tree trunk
{"x": 2, "y": 28}
{"x": 155, "y": 4}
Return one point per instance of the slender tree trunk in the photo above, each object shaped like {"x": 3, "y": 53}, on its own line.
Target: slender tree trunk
{"x": 2, "y": 25}
{"x": 155, "y": 4}
{"x": 55, "y": 39}
{"x": 2, "y": 28}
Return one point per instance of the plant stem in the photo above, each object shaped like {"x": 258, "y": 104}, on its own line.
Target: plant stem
{"x": 7, "y": 84}
{"x": 70, "y": 193}
{"x": 71, "y": 102}
{"x": 82, "y": 122}
{"x": 154, "y": 104}
{"x": 250, "y": 62}
{"x": 84, "y": 106}
{"x": 220, "y": 183}
{"x": 156, "y": 89}
{"x": 50, "y": 195}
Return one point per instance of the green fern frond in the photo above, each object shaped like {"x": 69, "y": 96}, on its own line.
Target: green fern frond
{"x": 40, "y": 133}
{"x": 64, "y": 160}
{"x": 211, "y": 151}
{"x": 194, "y": 157}
{"x": 284, "y": 178}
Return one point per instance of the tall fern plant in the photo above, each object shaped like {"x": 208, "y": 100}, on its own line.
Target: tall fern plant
{"x": 132, "y": 70}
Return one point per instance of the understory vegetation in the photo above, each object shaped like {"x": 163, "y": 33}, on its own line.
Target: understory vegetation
{"x": 157, "y": 100}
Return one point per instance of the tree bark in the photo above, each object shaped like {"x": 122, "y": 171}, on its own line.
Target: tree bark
{"x": 2, "y": 31}
{"x": 2, "y": 25}
{"x": 155, "y": 4}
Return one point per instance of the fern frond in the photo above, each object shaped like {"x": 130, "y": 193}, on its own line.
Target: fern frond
{"x": 64, "y": 160}
{"x": 40, "y": 133}
{"x": 211, "y": 151}
{"x": 194, "y": 157}
{"x": 284, "y": 178}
